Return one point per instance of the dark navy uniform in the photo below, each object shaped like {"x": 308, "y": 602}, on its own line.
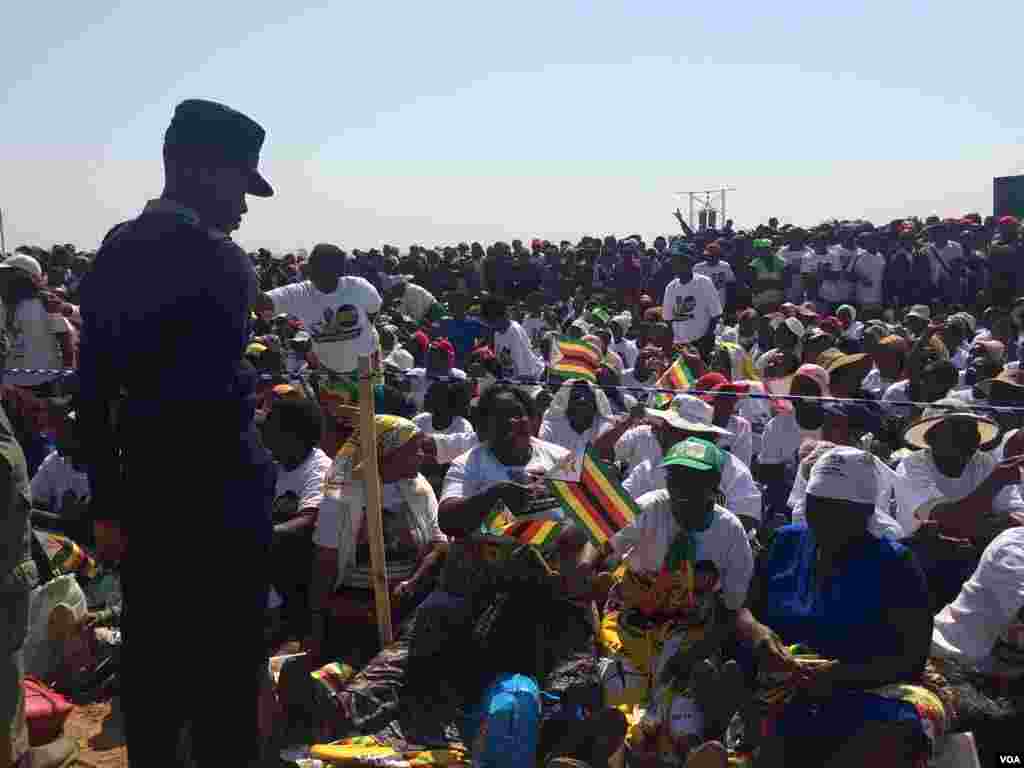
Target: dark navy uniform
{"x": 166, "y": 412}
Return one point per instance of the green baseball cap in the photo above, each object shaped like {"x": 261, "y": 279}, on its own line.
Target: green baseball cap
{"x": 695, "y": 453}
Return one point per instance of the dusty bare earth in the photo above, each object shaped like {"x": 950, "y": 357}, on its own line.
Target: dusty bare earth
{"x": 97, "y": 729}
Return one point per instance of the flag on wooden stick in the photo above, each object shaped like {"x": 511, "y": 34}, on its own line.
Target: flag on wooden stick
{"x": 678, "y": 377}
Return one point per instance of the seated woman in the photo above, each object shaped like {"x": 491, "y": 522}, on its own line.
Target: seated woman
{"x": 578, "y": 415}
{"x": 687, "y": 567}
{"x": 840, "y": 626}
{"x": 341, "y": 587}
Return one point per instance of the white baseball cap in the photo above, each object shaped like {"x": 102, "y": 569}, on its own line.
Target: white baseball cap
{"x": 25, "y": 263}
{"x": 690, "y": 414}
{"x": 845, "y": 473}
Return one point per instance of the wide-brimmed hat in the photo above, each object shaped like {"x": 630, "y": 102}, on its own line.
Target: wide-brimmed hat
{"x": 690, "y": 414}
{"x": 844, "y": 363}
{"x": 1008, "y": 386}
{"x": 945, "y": 410}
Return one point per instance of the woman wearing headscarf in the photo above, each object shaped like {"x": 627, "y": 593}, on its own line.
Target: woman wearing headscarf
{"x": 576, "y": 417}
{"x": 840, "y": 627}
{"x": 342, "y": 586}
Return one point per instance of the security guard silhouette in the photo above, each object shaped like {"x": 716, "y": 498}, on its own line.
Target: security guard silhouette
{"x": 182, "y": 487}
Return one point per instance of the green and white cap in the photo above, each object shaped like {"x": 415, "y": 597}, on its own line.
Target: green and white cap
{"x": 695, "y": 453}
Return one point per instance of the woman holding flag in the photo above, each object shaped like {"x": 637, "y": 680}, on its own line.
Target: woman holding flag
{"x": 687, "y": 567}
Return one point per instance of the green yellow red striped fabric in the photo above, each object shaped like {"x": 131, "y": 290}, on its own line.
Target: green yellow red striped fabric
{"x": 575, "y": 359}
{"x": 537, "y": 533}
{"x": 678, "y": 377}
{"x": 597, "y": 502}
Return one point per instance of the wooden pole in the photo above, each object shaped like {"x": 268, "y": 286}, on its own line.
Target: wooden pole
{"x": 371, "y": 477}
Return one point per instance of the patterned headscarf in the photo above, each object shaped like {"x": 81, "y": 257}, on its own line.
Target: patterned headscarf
{"x": 345, "y": 484}
{"x": 392, "y": 433}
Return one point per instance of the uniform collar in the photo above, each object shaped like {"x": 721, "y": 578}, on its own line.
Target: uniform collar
{"x": 165, "y": 205}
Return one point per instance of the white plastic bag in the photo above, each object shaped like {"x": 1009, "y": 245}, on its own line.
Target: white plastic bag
{"x": 41, "y": 656}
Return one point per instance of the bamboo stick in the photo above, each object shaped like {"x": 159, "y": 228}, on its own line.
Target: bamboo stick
{"x": 371, "y": 477}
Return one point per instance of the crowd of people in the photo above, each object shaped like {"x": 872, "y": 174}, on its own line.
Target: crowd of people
{"x": 828, "y": 500}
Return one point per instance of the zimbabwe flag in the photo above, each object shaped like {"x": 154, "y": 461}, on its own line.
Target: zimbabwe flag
{"x": 575, "y": 359}
{"x": 536, "y": 533}
{"x": 678, "y": 377}
{"x": 597, "y": 502}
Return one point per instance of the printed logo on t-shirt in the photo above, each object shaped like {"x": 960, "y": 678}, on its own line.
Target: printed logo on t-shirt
{"x": 338, "y": 325}
{"x": 684, "y": 308}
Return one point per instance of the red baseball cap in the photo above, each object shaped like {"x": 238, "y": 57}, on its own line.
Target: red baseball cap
{"x": 708, "y": 382}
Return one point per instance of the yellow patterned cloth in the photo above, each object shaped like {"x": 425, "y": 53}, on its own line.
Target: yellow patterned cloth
{"x": 375, "y": 753}
{"x": 775, "y": 694}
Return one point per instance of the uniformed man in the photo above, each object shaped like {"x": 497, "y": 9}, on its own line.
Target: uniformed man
{"x": 182, "y": 487}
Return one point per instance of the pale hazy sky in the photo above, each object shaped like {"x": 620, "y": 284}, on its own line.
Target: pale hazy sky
{"x": 435, "y": 122}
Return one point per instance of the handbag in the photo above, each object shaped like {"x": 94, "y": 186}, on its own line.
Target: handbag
{"x": 45, "y": 712}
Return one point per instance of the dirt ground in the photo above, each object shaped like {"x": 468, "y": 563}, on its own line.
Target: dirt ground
{"x": 97, "y": 729}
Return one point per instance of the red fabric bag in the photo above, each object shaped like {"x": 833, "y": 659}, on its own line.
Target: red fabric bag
{"x": 45, "y": 711}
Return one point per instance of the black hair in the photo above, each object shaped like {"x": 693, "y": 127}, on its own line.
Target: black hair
{"x": 487, "y": 406}
{"x": 447, "y": 396}
{"x": 391, "y": 401}
{"x": 300, "y": 417}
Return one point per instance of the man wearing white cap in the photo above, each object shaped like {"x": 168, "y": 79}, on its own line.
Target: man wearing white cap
{"x": 644, "y": 445}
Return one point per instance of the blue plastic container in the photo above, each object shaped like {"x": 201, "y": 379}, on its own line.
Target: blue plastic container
{"x": 502, "y": 731}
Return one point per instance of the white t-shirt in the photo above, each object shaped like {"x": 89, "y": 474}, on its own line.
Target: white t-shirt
{"x": 627, "y": 350}
{"x": 839, "y": 259}
{"x": 690, "y": 307}
{"x": 742, "y": 496}
{"x": 796, "y": 261}
{"x": 870, "y": 267}
{"x": 782, "y": 439}
{"x": 920, "y": 487}
{"x": 416, "y": 301}
{"x": 425, "y": 422}
{"x": 478, "y": 469}
{"x": 724, "y": 543}
{"x": 874, "y": 384}
{"x": 630, "y": 380}
{"x": 32, "y": 342}
{"x": 988, "y": 603}
{"x": 516, "y": 343}
{"x": 898, "y": 393}
{"x": 301, "y": 488}
{"x": 741, "y": 443}
{"x": 535, "y": 328}
{"x": 556, "y": 429}
{"x": 338, "y": 322}
{"x": 55, "y": 478}
{"x": 720, "y": 274}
